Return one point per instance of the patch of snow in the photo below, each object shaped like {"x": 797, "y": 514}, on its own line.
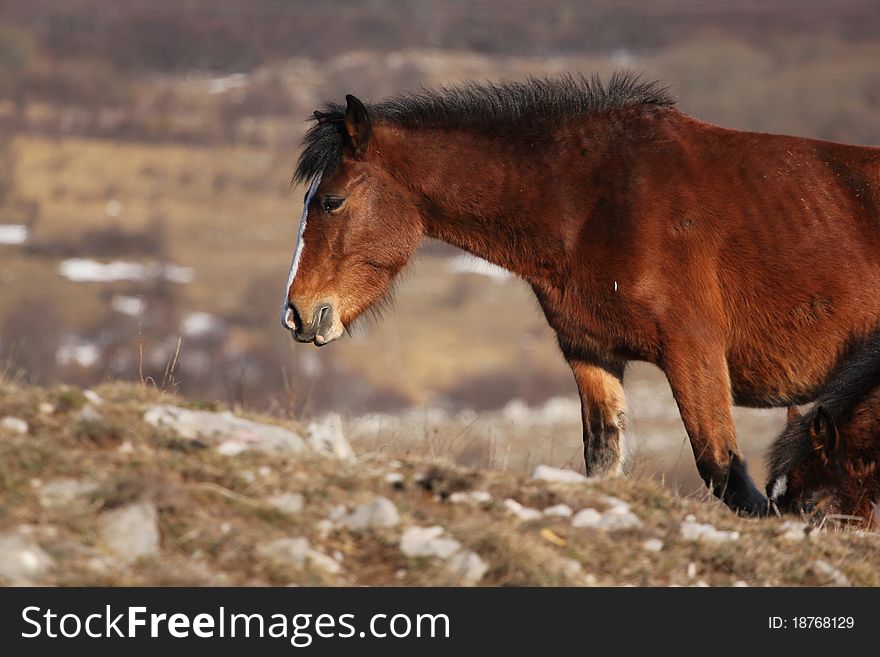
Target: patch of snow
{"x": 13, "y": 234}
{"x": 74, "y": 351}
{"x": 226, "y": 83}
{"x": 199, "y": 324}
{"x": 86, "y": 270}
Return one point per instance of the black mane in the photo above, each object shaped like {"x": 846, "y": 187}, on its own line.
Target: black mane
{"x": 855, "y": 377}
{"x": 491, "y": 108}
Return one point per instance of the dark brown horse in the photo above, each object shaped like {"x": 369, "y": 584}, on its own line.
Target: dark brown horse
{"x": 739, "y": 263}
{"x": 828, "y": 460}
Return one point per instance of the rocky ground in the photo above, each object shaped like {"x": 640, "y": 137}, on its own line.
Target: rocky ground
{"x": 126, "y": 486}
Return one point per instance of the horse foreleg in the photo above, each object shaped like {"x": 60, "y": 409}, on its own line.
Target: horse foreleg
{"x": 602, "y": 412}
{"x": 700, "y": 384}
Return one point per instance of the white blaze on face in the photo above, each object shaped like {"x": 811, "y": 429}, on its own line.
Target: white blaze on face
{"x": 287, "y": 313}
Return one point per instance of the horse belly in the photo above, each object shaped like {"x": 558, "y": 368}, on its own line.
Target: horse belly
{"x": 787, "y": 357}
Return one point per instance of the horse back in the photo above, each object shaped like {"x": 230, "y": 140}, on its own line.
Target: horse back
{"x": 767, "y": 243}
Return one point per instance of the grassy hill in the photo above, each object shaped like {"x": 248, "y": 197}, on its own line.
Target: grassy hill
{"x": 91, "y": 493}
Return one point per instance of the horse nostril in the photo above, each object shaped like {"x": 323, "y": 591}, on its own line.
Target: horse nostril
{"x": 322, "y": 315}
{"x": 297, "y": 320}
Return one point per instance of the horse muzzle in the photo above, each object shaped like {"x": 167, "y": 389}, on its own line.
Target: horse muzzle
{"x": 322, "y": 327}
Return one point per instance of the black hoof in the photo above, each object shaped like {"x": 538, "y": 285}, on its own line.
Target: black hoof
{"x": 740, "y": 493}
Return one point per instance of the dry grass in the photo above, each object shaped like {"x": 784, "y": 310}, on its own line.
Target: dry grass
{"x": 213, "y": 513}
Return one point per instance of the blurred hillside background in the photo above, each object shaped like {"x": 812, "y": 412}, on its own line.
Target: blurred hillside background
{"x": 147, "y": 222}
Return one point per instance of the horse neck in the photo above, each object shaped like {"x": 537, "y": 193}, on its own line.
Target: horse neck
{"x": 483, "y": 194}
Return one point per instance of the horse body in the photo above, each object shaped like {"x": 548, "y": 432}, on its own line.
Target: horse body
{"x": 645, "y": 234}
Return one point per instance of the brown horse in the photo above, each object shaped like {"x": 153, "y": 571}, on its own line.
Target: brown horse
{"x": 828, "y": 460}
{"x": 645, "y": 234}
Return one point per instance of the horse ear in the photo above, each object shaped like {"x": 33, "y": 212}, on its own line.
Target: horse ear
{"x": 357, "y": 125}
{"x": 323, "y": 117}
{"x": 793, "y": 414}
{"x": 823, "y": 434}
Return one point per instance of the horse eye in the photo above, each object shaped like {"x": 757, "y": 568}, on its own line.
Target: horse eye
{"x": 332, "y": 203}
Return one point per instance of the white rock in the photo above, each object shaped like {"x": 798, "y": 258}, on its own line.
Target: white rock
{"x": 89, "y": 414}
{"x": 652, "y": 545}
{"x": 471, "y": 497}
{"x": 558, "y": 511}
{"x": 572, "y": 567}
{"x": 322, "y": 562}
{"x": 691, "y": 530}
{"x": 379, "y": 513}
{"x": 558, "y": 475}
{"x": 615, "y": 502}
{"x": 14, "y": 424}
{"x": 523, "y": 513}
{"x": 21, "y": 559}
{"x": 428, "y": 542}
{"x": 131, "y": 531}
{"x": 63, "y": 492}
{"x": 285, "y": 551}
{"x": 93, "y": 397}
{"x": 394, "y": 479}
{"x": 792, "y": 530}
{"x": 740, "y": 584}
{"x": 618, "y": 518}
{"x": 232, "y": 447}
{"x": 337, "y": 513}
{"x": 586, "y": 518}
{"x": 232, "y": 433}
{"x": 328, "y": 437}
{"x": 46, "y": 408}
{"x": 829, "y": 573}
{"x": 692, "y": 570}
{"x": 467, "y": 567}
{"x": 289, "y": 503}
{"x": 614, "y": 519}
